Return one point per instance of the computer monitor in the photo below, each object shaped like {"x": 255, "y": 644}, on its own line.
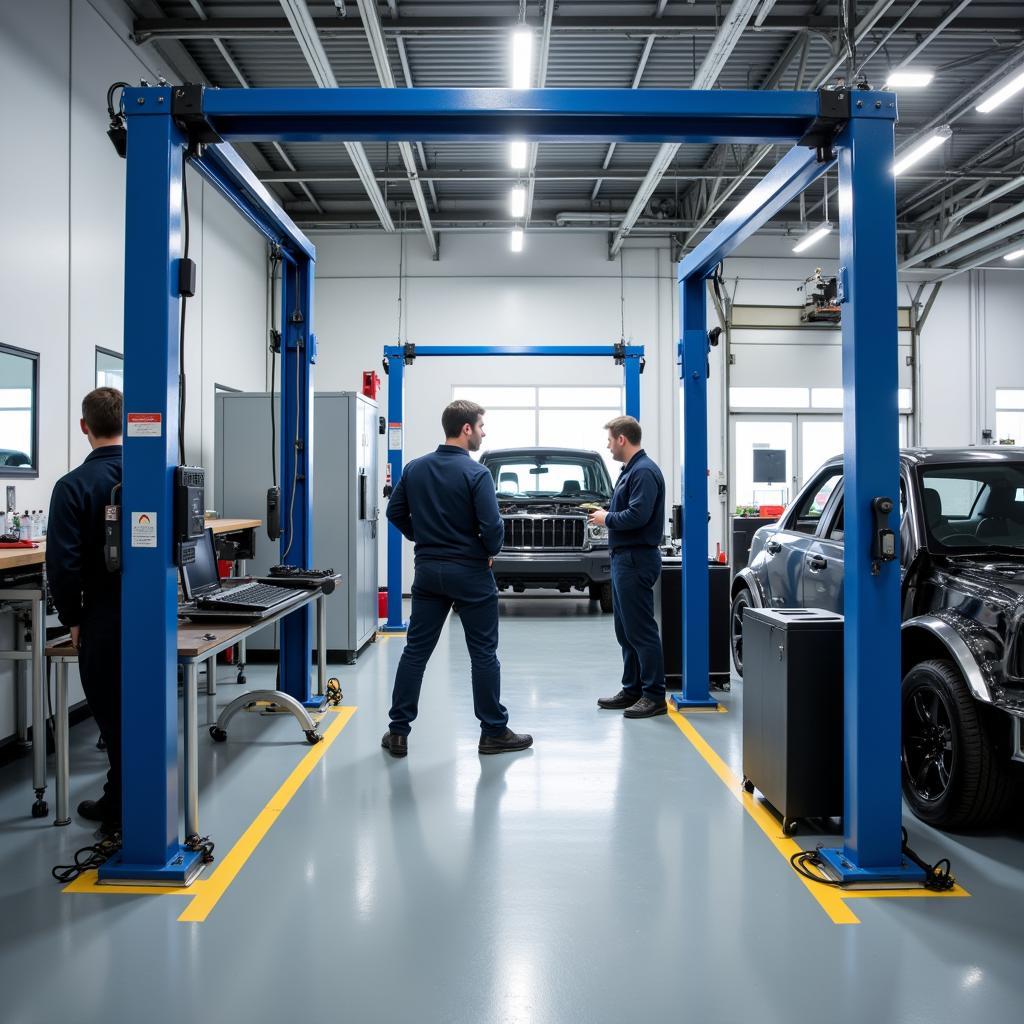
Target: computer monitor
{"x": 200, "y": 578}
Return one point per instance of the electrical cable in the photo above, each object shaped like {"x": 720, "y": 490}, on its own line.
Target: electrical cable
{"x": 296, "y": 318}
{"x": 115, "y": 115}
{"x": 184, "y": 306}
{"x": 275, "y": 344}
{"x": 88, "y": 858}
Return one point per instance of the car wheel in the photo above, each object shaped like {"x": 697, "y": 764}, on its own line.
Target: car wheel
{"x": 952, "y": 776}
{"x": 740, "y": 603}
{"x": 605, "y": 597}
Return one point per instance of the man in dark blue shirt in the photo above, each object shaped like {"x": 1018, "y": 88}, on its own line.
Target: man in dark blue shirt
{"x": 446, "y": 504}
{"x": 636, "y": 525}
{"x": 86, "y": 595}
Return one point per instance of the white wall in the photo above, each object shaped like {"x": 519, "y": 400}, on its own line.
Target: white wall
{"x": 562, "y": 290}
{"x": 61, "y": 267}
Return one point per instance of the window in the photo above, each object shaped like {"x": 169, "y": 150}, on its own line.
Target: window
{"x": 109, "y": 369}
{"x": 518, "y": 476}
{"x": 1010, "y": 415}
{"x": 812, "y": 504}
{"x": 559, "y": 417}
{"x": 975, "y": 506}
{"x": 769, "y": 398}
{"x": 19, "y": 412}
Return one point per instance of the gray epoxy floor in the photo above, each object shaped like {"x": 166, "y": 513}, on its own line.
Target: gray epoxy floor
{"x": 606, "y": 875}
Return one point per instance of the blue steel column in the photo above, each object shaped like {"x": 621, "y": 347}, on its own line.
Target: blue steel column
{"x": 694, "y": 604}
{"x": 149, "y": 603}
{"x": 298, "y": 356}
{"x": 632, "y": 374}
{"x": 872, "y": 811}
{"x": 396, "y": 433}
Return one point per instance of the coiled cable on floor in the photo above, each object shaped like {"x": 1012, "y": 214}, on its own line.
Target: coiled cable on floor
{"x": 805, "y": 859}
{"x": 88, "y": 858}
{"x": 203, "y": 844}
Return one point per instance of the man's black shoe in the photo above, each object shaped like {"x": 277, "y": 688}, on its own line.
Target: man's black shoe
{"x": 506, "y": 743}
{"x": 646, "y": 708}
{"x": 623, "y": 699}
{"x": 96, "y": 810}
{"x": 396, "y": 745}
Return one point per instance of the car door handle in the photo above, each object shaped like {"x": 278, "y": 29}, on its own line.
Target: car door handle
{"x": 816, "y": 563}
{"x": 773, "y": 547}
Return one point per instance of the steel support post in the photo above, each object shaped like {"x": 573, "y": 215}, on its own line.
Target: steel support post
{"x": 872, "y": 810}
{"x": 151, "y": 850}
{"x": 298, "y": 357}
{"x": 631, "y": 372}
{"x": 693, "y": 371}
{"x": 396, "y": 447}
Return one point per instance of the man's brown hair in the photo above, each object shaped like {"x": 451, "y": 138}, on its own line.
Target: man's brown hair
{"x": 101, "y": 410}
{"x": 625, "y": 426}
{"x": 458, "y": 414}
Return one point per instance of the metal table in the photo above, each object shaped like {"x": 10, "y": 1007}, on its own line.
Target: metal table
{"x": 199, "y": 643}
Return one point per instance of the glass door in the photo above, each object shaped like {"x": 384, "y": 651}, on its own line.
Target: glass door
{"x": 762, "y": 446}
{"x": 821, "y": 437}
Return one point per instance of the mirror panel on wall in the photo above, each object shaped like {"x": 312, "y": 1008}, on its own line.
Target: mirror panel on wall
{"x": 19, "y": 412}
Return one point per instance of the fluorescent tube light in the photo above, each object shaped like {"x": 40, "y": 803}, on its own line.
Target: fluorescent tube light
{"x": 1000, "y": 95}
{"x": 522, "y": 58}
{"x": 517, "y": 202}
{"x": 1015, "y": 255}
{"x": 923, "y": 148}
{"x": 813, "y": 236}
{"x": 515, "y": 242}
{"x": 517, "y": 155}
{"x": 906, "y": 79}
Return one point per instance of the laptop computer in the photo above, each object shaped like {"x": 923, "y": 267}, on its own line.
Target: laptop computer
{"x": 201, "y": 584}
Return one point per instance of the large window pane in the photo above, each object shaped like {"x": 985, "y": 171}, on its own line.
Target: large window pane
{"x": 497, "y": 398}
{"x": 510, "y": 428}
{"x": 18, "y": 412}
{"x": 827, "y": 398}
{"x": 769, "y": 398}
{"x": 1010, "y": 427}
{"x": 751, "y": 434}
{"x": 820, "y": 439}
{"x": 578, "y": 428}
{"x": 581, "y": 398}
{"x": 109, "y": 369}
{"x": 1010, "y": 398}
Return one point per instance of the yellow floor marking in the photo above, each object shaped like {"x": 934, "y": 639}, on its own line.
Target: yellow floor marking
{"x": 205, "y": 893}
{"x": 832, "y": 900}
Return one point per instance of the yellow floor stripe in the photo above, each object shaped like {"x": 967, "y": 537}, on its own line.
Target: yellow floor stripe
{"x": 204, "y": 893}
{"x": 831, "y": 900}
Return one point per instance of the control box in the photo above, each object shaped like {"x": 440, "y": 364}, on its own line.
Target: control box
{"x": 189, "y": 502}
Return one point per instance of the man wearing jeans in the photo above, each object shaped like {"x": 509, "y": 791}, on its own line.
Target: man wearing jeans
{"x": 636, "y": 525}
{"x": 446, "y": 504}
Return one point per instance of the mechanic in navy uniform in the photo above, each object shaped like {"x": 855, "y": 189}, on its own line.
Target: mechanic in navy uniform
{"x": 636, "y": 525}
{"x": 86, "y": 595}
{"x": 446, "y": 504}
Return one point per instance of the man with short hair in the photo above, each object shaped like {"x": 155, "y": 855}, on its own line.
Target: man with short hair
{"x": 446, "y": 504}
{"x": 636, "y": 526}
{"x": 86, "y": 595}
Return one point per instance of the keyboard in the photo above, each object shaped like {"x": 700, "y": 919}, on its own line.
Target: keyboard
{"x": 253, "y": 596}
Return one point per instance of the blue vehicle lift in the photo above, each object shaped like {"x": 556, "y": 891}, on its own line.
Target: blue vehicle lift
{"x": 398, "y": 357}
{"x": 166, "y": 125}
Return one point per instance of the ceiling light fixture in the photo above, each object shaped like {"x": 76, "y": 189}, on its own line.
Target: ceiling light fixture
{"x": 515, "y": 242}
{"x": 1015, "y": 255}
{"x": 923, "y": 148}
{"x": 905, "y": 78}
{"x": 517, "y": 155}
{"x": 813, "y": 236}
{"x": 522, "y": 58}
{"x": 517, "y": 202}
{"x": 1002, "y": 93}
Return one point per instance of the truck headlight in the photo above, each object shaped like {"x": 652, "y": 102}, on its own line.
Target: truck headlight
{"x": 597, "y": 534}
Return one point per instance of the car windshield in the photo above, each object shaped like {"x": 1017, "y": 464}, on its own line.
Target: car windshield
{"x": 976, "y": 506}
{"x": 549, "y": 476}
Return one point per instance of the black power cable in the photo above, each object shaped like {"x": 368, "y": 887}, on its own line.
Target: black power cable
{"x": 89, "y": 858}
{"x": 275, "y": 345}
{"x": 184, "y": 306}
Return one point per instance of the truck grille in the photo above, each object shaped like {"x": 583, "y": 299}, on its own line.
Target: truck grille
{"x": 544, "y": 533}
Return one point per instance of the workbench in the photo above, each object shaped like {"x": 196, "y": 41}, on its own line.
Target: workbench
{"x": 23, "y": 582}
{"x": 199, "y": 643}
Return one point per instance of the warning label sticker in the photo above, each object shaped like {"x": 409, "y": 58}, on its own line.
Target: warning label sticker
{"x": 394, "y": 435}
{"x": 143, "y": 529}
{"x": 145, "y": 424}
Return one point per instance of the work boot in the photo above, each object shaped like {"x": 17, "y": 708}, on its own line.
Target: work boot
{"x": 646, "y": 708}
{"x": 623, "y": 699}
{"x": 507, "y": 742}
{"x": 395, "y": 745}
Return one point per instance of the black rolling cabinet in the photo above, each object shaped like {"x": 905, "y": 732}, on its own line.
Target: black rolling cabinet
{"x": 793, "y": 710}
{"x": 670, "y": 620}
{"x": 743, "y": 530}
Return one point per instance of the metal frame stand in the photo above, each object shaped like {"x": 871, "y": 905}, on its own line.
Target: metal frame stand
{"x": 398, "y": 357}
{"x": 858, "y": 125}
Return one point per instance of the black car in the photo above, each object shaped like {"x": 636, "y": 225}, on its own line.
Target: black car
{"x": 544, "y": 495}
{"x": 962, "y": 571}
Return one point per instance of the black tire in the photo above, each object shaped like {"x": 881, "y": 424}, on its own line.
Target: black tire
{"x": 605, "y": 597}
{"x": 952, "y": 775}
{"x": 741, "y": 601}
